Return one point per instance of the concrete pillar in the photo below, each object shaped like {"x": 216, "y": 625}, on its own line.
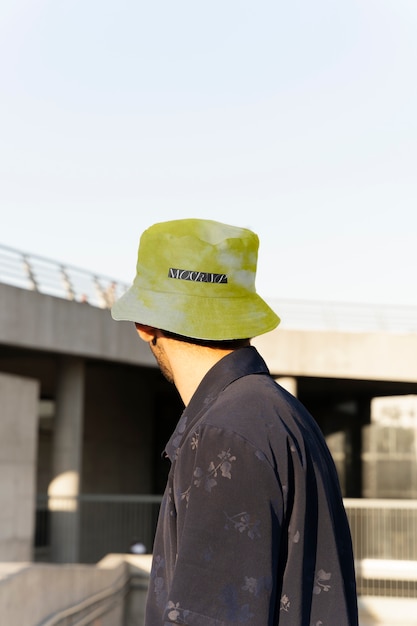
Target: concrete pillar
{"x": 363, "y": 418}
{"x": 66, "y": 461}
{"x": 19, "y": 400}
{"x": 289, "y": 383}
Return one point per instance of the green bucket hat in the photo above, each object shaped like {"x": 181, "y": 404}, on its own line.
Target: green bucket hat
{"x": 196, "y": 278}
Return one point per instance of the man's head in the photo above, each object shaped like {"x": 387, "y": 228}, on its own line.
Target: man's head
{"x": 196, "y": 278}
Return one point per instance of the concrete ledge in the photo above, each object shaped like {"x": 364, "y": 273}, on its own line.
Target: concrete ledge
{"x": 335, "y": 354}
{"x": 384, "y": 569}
{"x": 41, "y": 322}
{"x": 38, "y": 321}
{"x": 44, "y": 595}
{"x": 378, "y": 611}
{"x": 113, "y": 593}
{"x": 139, "y": 567}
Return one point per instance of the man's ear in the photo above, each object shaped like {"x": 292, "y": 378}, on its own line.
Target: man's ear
{"x": 146, "y": 333}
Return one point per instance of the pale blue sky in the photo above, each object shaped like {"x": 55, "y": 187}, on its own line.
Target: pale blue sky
{"x": 296, "y": 119}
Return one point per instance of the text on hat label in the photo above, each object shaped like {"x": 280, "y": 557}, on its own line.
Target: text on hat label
{"x": 196, "y": 276}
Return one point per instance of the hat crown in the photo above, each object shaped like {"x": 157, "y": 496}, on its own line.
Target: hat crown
{"x": 198, "y": 256}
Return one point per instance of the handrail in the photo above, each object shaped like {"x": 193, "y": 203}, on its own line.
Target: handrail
{"x": 43, "y": 275}
{"x": 91, "y": 608}
{"x": 37, "y": 273}
{"x": 346, "y": 316}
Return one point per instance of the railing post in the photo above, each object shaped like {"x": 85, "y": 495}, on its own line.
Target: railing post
{"x": 29, "y": 273}
{"x": 67, "y": 284}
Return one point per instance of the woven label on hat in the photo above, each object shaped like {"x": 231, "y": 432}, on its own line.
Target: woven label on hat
{"x": 197, "y": 276}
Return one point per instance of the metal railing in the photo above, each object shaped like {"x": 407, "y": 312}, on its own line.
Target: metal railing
{"x": 30, "y": 271}
{"x": 345, "y": 316}
{"x": 37, "y": 273}
{"x": 90, "y": 610}
{"x": 384, "y": 535}
{"x": 383, "y": 529}
{"x": 106, "y": 523}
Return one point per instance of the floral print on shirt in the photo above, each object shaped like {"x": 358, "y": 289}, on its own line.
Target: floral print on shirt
{"x": 251, "y": 505}
{"x": 209, "y": 477}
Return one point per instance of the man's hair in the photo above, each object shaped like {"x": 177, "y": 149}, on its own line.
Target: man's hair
{"x": 228, "y": 344}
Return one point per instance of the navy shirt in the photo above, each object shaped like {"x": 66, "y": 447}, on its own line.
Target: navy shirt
{"x": 252, "y": 528}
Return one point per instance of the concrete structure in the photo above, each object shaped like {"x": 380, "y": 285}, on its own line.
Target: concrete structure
{"x": 105, "y": 412}
{"x": 18, "y": 441}
{"x": 370, "y": 356}
{"x": 103, "y": 390}
{"x": 112, "y": 593}
{"x": 84, "y": 410}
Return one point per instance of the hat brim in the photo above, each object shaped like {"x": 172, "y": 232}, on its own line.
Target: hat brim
{"x": 207, "y": 318}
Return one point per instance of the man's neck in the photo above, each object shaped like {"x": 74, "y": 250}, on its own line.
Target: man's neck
{"x": 189, "y": 364}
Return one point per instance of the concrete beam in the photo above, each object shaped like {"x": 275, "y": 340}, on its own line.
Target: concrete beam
{"x": 356, "y": 356}
{"x": 18, "y": 432}
{"x": 32, "y": 320}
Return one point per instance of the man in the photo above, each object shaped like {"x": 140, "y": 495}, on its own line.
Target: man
{"x": 252, "y": 527}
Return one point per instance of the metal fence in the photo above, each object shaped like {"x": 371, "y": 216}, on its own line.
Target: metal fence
{"x": 30, "y": 271}
{"x": 37, "y": 273}
{"x": 383, "y": 529}
{"x": 100, "y": 524}
{"x": 345, "y": 316}
{"x": 384, "y": 534}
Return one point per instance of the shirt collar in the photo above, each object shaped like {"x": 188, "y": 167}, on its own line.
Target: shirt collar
{"x": 238, "y": 363}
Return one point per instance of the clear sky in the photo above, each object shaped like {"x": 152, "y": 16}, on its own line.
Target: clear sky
{"x": 296, "y": 119}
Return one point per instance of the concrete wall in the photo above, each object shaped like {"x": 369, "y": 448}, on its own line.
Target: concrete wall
{"x": 18, "y": 437}
{"x": 117, "y": 457}
{"x": 41, "y": 322}
{"x": 125, "y": 417}
{"x": 113, "y": 593}
{"x": 92, "y": 595}
{"x": 358, "y": 356}
{"x": 118, "y": 430}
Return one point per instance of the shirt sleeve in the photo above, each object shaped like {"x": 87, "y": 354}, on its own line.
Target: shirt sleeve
{"x": 228, "y": 502}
